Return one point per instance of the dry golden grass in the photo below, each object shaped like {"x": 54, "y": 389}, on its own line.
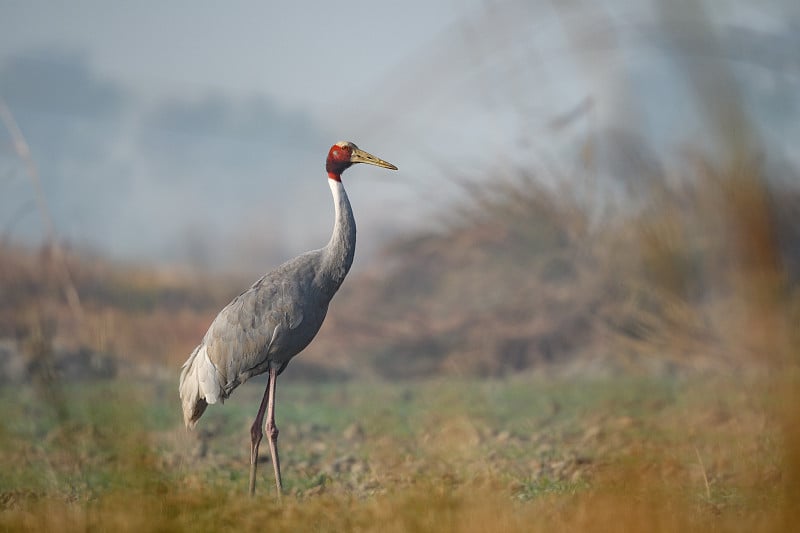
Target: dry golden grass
{"x": 519, "y": 454}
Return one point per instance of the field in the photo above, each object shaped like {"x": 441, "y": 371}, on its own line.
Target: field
{"x": 519, "y": 370}
{"x": 445, "y": 455}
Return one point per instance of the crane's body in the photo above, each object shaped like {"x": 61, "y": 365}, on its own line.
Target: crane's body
{"x": 272, "y": 321}
{"x": 275, "y": 319}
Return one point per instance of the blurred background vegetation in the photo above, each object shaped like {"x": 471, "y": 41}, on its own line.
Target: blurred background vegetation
{"x": 600, "y": 333}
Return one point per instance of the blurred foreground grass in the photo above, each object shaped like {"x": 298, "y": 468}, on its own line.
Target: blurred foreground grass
{"x": 443, "y": 455}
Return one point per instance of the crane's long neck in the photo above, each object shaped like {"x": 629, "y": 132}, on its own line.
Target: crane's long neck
{"x": 338, "y": 254}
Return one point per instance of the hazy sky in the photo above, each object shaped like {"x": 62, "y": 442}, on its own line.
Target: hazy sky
{"x": 198, "y": 129}
{"x": 307, "y": 54}
{"x": 205, "y": 63}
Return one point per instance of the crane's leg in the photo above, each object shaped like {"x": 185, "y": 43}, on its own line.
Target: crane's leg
{"x": 272, "y": 430}
{"x": 255, "y": 440}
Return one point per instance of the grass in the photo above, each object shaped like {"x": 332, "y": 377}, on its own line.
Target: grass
{"x": 429, "y": 455}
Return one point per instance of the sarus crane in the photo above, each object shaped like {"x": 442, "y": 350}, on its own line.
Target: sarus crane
{"x": 275, "y": 319}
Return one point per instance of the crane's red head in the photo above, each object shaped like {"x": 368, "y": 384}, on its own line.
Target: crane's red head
{"x": 344, "y": 154}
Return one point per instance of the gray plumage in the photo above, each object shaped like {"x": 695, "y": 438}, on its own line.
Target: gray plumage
{"x": 275, "y": 319}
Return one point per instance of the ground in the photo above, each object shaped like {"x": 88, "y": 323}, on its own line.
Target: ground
{"x": 443, "y": 454}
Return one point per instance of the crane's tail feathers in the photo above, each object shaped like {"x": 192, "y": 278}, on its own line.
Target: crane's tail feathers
{"x": 199, "y": 385}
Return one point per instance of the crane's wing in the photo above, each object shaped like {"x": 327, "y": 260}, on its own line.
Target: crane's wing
{"x": 242, "y": 337}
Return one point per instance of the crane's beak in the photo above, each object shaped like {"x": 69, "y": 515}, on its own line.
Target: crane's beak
{"x": 360, "y": 156}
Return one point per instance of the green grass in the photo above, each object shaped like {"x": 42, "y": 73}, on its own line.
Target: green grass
{"x": 376, "y": 448}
